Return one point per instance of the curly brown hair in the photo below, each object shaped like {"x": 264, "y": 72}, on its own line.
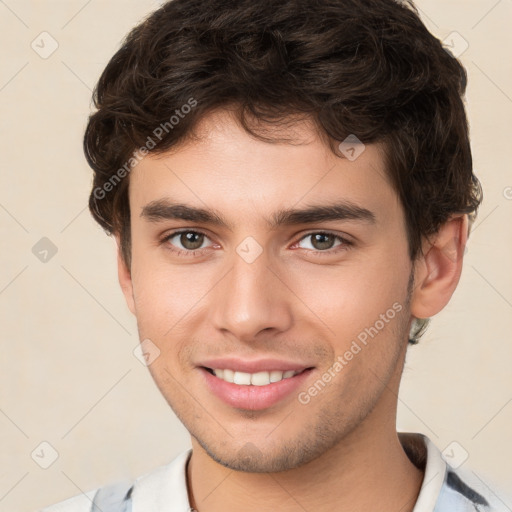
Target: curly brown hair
{"x": 364, "y": 67}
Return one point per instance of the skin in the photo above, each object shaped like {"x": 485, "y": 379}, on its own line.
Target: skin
{"x": 296, "y": 301}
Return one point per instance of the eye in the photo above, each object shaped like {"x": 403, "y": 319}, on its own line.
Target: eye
{"x": 189, "y": 240}
{"x": 323, "y": 241}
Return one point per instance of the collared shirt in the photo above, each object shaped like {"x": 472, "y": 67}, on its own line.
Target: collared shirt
{"x": 444, "y": 489}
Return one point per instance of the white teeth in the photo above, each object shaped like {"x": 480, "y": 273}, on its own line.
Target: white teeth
{"x": 228, "y": 375}
{"x": 242, "y": 378}
{"x": 255, "y": 379}
{"x": 260, "y": 379}
{"x": 276, "y": 376}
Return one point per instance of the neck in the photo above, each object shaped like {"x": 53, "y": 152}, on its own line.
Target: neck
{"x": 360, "y": 473}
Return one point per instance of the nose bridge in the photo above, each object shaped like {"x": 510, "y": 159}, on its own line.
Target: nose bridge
{"x": 250, "y": 297}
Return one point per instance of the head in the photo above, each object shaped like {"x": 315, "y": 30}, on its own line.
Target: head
{"x": 222, "y": 118}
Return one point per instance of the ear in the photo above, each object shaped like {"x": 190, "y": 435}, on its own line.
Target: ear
{"x": 125, "y": 278}
{"x": 438, "y": 270}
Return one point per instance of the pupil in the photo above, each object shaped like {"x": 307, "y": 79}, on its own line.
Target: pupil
{"x": 322, "y": 243}
{"x": 187, "y": 239}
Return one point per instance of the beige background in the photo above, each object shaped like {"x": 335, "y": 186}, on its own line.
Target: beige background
{"x": 68, "y": 373}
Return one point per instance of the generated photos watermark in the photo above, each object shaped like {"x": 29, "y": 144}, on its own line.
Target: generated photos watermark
{"x": 167, "y": 126}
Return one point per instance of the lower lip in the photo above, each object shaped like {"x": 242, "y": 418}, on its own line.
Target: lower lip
{"x": 251, "y": 397}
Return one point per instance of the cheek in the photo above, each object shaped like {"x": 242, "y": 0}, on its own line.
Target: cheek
{"x": 166, "y": 296}
{"x": 353, "y": 295}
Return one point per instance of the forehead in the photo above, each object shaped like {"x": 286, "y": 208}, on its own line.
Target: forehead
{"x": 225, "y": 168}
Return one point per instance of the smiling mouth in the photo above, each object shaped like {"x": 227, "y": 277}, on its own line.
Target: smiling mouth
{"x": 262, "y": 378}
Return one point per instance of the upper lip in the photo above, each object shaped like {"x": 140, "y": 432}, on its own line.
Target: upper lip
{"x": 253, "y": 366}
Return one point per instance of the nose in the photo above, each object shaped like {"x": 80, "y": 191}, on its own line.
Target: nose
{"x": 252, "y": 298}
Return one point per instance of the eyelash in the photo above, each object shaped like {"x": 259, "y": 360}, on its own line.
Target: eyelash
{"x": 344, "y": 246}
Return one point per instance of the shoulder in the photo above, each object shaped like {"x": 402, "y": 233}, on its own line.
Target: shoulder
{"x": 446, "y": 487}
{"x": 114, "y": 497}
{"x": 78, "y": 503}
{"x": 463, "y": 490}
{"x": 151, "y": 491}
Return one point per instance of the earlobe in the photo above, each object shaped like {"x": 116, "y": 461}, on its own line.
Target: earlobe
{"x": 125, "y": 278}
{"x": 438, "y": 270}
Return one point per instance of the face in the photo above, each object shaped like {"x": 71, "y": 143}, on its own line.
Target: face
{"x": 254, "y": 287}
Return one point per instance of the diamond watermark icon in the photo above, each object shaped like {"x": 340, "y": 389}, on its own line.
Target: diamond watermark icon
{"x": 249, "y": 249}
{"x": 351, "y": 147}
{"x": 146, "y": 352}
{"x": 455, "y": 454}
{"x": 455, "y": 43}
{"x": 44, "y": 455}
{"x": 44, "y": 45}
{"x": 44, "y": 250}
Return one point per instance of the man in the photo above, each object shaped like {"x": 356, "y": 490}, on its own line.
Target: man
{"x": 290, "y": 186}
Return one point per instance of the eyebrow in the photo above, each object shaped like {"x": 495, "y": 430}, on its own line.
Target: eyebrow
{"x": 163, "y": 209}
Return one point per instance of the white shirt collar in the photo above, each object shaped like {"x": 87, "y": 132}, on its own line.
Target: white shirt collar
{"x": 433, "y": 479}
{"x": 163, "y": 489}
